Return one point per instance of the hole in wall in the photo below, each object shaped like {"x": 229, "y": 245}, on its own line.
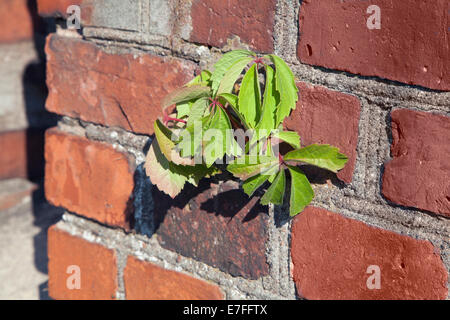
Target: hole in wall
{"x": 309, "y": 50}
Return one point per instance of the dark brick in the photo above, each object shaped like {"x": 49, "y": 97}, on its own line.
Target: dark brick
{"x": 216, "y": 224}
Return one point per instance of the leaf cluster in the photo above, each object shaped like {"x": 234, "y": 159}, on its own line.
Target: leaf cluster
{"x": 244, "y": 94}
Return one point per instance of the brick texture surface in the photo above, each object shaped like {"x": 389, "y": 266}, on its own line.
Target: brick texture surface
{"x": 331, "y": 255}
{"x": 215, "y": 224}
{"x": 97, "y": 266}
{"x": 328, "y": 117}
{"x": 215, "y": 21}
{"x": 89, "y": 178}
{"x": 21, "y": 154}
{"x": 419, "y": 174}
{"x": 123, "y": 90}
{"x": 17, "y": 23}
{"x": 411, "y": 46}
{"x": 144, "y": 280}
{"x": 50, "y": 8}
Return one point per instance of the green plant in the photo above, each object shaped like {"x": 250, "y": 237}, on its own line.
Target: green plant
{"x": 225, "y": 115}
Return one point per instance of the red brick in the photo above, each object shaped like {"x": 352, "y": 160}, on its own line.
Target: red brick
{"x": 144, "y": 280}
{"x": 419, "y": 174}
{"x": 411, "y": 46}
{"x": 216, "y": 224}
{"x": 331, "y": 255}
{"x": 51, "y": 8}
{"x": 89, "y": 178}
{"x": 328, "y": 117}
{"x": 215, "y": 21}
{"x": 21, "y": 154}
{"x": 121, "y": 90}
{"x": 97, "y": 266}
{"x": 17, "y": 23}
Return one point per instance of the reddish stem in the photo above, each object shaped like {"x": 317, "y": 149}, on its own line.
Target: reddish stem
{"x": 176, "y": 119}
{"x": 166, "y": 118}
{"x": 258, "y": 61}
{"x": 280, "y": 159}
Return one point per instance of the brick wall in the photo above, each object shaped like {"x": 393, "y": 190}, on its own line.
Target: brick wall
{"x": 381, "y": 95}
{"x": 23, "y": 118}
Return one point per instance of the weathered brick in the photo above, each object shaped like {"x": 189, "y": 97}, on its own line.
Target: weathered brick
{"x": 419, "y": 174}
{"x": 97, "y": 266}
{"x": 123, "y": 90}
{"x": 89, "y": 178}
{"x": 17, "y": 22}
{"x": 21, "y": 154}
{"x": 411, "y": 46}
{"x": 328, "y": 117}
{"x": 215, "y": 21}
{"x": 144, "y": 280}
{"x": 58, "y": 8}
{"x": 331, "y": 255}
{"x": 216, "y": 224}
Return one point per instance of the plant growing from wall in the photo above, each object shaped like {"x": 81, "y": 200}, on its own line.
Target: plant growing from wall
{"x": 232, "y": 119}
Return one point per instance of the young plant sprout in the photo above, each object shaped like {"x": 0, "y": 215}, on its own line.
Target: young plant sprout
{"x": 232, "y": 119}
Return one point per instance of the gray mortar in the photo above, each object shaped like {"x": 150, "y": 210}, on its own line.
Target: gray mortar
{"x": 360, "y": 200}
{"x": 381, "y": 92}
{"x": 371, "y": 209}
{"x": 148, "y": 249}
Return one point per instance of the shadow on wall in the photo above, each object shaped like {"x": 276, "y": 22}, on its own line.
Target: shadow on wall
{"x": 35, "y": 94}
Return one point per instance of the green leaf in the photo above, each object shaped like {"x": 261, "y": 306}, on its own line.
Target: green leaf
{"x": 252, "y": 184}
{"x": 231, "y": 76}
{"x": 196, "y": 81}
{"x": 232, "y": 100}
{"x": 250, "y": 97}
{"x": 185, "y": 94}
{"x": 206, "y": 76}
{"x": 225, "y": 63}
{"x": 190, "y": 142}
{"x": 197, "y": 111}
{"x": 170, "y": 177}
{"x": 249, "y": 165}
{"x": 285, "y": 86}
{"x": 202, "y": 79}
{"x": 275, "y": 193}
{"x": 183, "y": 109}
{"x": 322, "y": 156}
{"x": 166, "y": 141}
{"x": 290, "y": 137}
{"x": 216, "y": 146}
{"x": 301, "y": 191}
{"x": 198, "y": 172}
{"x": 164, "y": 174}
{"x": 221, "y": 140}
{"x": 271, "y": 99}
{"x": 164, "y": 137}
